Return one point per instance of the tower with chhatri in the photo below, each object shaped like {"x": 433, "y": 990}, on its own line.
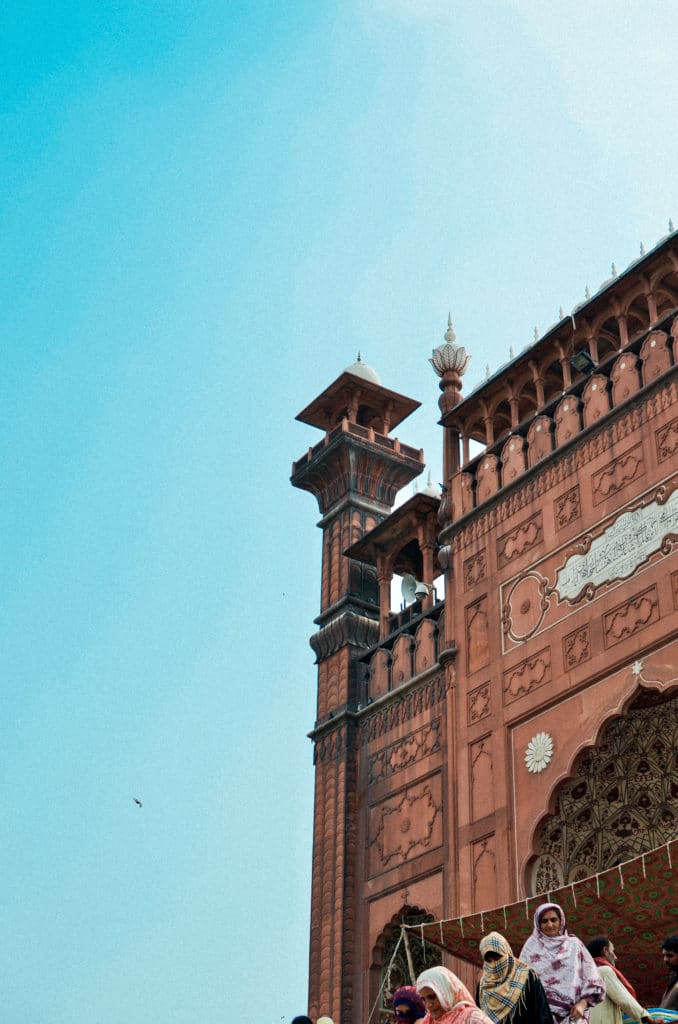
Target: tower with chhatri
{"x": 512, "y": 727}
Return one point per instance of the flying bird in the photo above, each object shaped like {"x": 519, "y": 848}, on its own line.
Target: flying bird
{"x": 137, "y": 802}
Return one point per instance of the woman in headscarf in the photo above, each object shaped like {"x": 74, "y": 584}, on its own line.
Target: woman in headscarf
{"x": 509, "y": 990}
{"x": 408, "y": 1005}
{"x": 570, "y": 978}
{"x": 447, "y": 1000}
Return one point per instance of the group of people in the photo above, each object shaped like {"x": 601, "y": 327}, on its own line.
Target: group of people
{"x": 555, "y": 979}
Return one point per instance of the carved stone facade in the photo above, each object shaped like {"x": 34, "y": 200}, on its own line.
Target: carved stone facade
{"x": 621, "y": 800}
{"x": 520, "y": 733}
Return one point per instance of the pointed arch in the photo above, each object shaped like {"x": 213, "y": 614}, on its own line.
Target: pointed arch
{"x": 619, "y": 800}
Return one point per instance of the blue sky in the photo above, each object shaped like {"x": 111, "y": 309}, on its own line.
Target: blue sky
{"x": 207, "y": 210}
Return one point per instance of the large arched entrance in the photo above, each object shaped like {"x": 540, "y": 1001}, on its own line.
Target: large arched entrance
{"x": 620, "y": 802}
{"x": 396, "y": 963}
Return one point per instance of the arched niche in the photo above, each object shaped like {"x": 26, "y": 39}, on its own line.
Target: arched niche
{"x": 619, "y": 801}
{"x": 394, "y": 962}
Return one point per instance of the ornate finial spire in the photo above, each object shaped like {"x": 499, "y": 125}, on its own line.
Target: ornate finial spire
{"x": 671, "y": 228}
{"x": 614, "y": 270}
{"x": 449, "y": 361}
{"x": 587, "y": 292}
{"x": 642, "y": 249}
{"x": 536, "y": 334}
{"x": 561, "y": 313}
{"x": 488, "y": 372}
{"x": 510, "y": 351}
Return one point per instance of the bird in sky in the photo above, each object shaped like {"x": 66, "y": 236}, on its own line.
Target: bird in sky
{"x": 137, "y": 802}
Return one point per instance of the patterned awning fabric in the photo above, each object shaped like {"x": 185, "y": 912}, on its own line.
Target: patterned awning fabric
{"x": 635, "y": 904}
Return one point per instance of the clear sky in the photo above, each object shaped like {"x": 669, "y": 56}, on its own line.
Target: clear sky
{"x": 206, "y": 210}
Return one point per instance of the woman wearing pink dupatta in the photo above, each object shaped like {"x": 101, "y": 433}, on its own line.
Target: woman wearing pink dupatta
{"x": 565, "y": 967}
{"x": 447, "y": 999}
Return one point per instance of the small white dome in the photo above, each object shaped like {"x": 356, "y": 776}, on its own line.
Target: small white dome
{"x": 431, "y": 489}
{"x": 361, "y": 369}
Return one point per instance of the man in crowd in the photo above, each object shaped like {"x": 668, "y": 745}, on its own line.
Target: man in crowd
{"x": 670, "y": 958}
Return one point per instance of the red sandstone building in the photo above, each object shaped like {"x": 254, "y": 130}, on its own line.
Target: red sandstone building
{"x": 519, "y": 730}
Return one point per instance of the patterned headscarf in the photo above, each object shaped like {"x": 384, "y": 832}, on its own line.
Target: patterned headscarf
{"x": 446, "y": 986}
{"x": 409, "y": 997}
{"x": 503, "y": 981}
{"x": 565, "y": 966}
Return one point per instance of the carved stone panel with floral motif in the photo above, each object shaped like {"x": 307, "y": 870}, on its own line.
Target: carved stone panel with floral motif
{"x": 475, "y": 569}
{"x": 617, "y": 474}
{"x": 527, "y": 676}
{"x": 520, "y": 539}
{"x": 396, "y": 756}
{"x": 631, "y": 617}
{"x": 666, "y": 439}
{"x": 567, "y": 508}
{"x": 576, "y": 647}
{"x": 406, "y": 825}
{"x": 478, "y": 703}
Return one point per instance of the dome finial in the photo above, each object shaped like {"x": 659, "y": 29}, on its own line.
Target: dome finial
{"x": 642, "y": 249}
{"x": 587, "y": 292}
{"x": 449, "y": 361}
{"x": 670, "y": 225}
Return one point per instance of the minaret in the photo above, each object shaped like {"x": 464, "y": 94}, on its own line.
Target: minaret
{"x": 355, "y": 472}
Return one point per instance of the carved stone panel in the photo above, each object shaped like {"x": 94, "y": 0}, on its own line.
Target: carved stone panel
{"x": 487, "y": 478}
{"x": 631, "y": 617}
{"x": 512, "y": 459}
{"x": 655, "y": 357}
{"x": 405, "y": 752}
{"x": 520, "y": 539}
{"x": 666, "y": 439}
{"x": 620, "y": 801}
{"x": 478, "y": 703}
{"x": 617, "y": 474}
{"x": 576, "y": 647}
{"x": 406, "y": 825}
{"x": 527, "y": 675}
{"x": 475, "y": 569}
{"x": 484, "y": 865}
{"x": 539, "y": 439}
{"x": 595, "y": 399}
{"x": 567, "y": 508}
{"x": 625, "y": 377}
{"x": 477, "y": 636}
{"x": 481, "y": 776}
{"x": 567, "y": 419}
{"x": 526, "y": 606}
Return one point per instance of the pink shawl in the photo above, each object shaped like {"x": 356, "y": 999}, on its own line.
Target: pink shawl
{"x": 453, "y": 996}
{"x": 564, "y": 965}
